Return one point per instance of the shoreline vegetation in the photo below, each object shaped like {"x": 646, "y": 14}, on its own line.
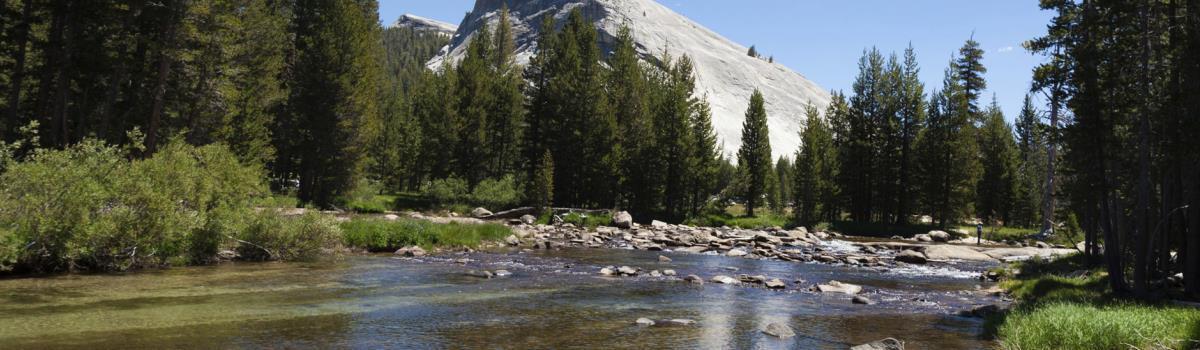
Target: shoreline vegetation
{"x": 1063, "y": 304}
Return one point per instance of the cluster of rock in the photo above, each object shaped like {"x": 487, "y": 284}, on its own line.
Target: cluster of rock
{"x": 774, "y": 243}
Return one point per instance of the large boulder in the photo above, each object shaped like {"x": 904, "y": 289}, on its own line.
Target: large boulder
{"x": 911, "y": 257}
{"x": 481, "y": 213}
{"x": 839, "y": 287}
{"x": 939, "y": 236}
{"x": 622, "y": 219}
{"x": 528, "y": 219}
{"x": 955, "y": 252}
{"x": 885, "y": 344}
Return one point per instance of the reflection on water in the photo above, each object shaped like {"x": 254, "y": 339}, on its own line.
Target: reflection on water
{"x": 553, "y": 300}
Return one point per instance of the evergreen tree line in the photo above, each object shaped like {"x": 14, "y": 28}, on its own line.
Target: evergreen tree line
{"x": 887, "y": 153}
{"x": 1123, "y": 79}
{"x": 297, "y": 87}
{"x": 617, "y": 132}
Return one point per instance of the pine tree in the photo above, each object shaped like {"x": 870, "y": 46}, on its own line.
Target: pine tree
{"x": 970, "y": 70}
{"x": 707, "y": 159}
{"x": 628, "y": 91}
{"x": 334, "y": 97}
{"x": 996, "y": 191}
{"x": 754, "y": 157}
{"x": 862, "y": 145}
{"x": 543, "y": 192}
{"x": 508, "y": 112}
{"x": 950, "y": 162}
{"x": 783, "y": 175}
{"x": 1031, "y": 146}
{"x": 475, "y": 96}
{"x": 911, "y": 111}
{"x": 753, "y": 52}
{"x": 672, "y": 126}
{"x": 815, "y": 192}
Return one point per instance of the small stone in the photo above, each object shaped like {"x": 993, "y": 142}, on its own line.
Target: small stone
{"x": 528, "y": 219}
{"x": 858, "y": 299}
{"x": 724, "y": 279}
{"x": 501, "y": 273}
{"x": 885, "y": 344}
{"x": 480, "y": 274}
{"x": 693, "y": 279}
{"x": 779, "y": 330}
{"x": 628, "y": 271}
{"x": 658, "y": 224}
{"x": 839, "y": 287}
{"x": 776, "y": 283}
{"x": 655, "y": 273}
{"x": 668, "y": 272}
{"x": 736, "y": 252}
{"x": 645, "y": 322}
{"x": 682, "y": 321}
{"x": 391, "y": 217}
{"x": 607, "y": 271}
{"x": 512, "y": 240}
{"x": 662, "y": 258}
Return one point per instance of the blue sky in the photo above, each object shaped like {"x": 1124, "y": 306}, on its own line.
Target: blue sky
{"x": 824, "y": 39}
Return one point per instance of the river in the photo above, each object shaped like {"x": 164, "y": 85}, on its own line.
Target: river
{"x": 553, "y": 300}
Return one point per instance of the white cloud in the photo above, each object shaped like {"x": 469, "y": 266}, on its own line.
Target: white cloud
{"x": 1005, "y": 49}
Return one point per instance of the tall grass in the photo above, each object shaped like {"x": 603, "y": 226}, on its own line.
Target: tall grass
{"x": 1058, "y": 311}
{"x": 380, "y": 235}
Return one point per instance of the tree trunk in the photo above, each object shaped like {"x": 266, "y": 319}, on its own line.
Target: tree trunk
{"x": 18, "y": 76}
{"x": 160, "y": 85}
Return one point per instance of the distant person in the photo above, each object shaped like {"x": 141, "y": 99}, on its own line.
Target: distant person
{"x": 979, "y": 233}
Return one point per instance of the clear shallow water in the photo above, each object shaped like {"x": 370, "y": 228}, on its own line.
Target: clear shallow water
{"x": 553, "y": 300}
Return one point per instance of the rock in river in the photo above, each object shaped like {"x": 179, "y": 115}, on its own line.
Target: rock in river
{"x": 607, "y": 271}
{"x": 662, "y": 258}
{"x": 622, "y": 219}
{"x": 911, "y": 257}
{"x": 644, "y": 322}
{"x": 481, "y": 213}
{"x": 779, "y": 330}
{"x": 885, "y": 344}
{"x": 858, "y": 299}
{"x": 628, "y": 271}
{"x": 411, "y": 251}
{"x": 839, "y": 287}
{"x": 693, "y": 279}
{"x": 776, "y": 284}
{"x": 736, "y": 252}
{"x": 724, "y": 279}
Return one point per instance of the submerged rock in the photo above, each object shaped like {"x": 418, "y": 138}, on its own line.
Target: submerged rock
{"x": 662, "y": 258}
{"x": 779, "y": 330}
{"x": 858, "y": 299}
{"x": 885, "y": 344}
{"x": 839, "y": 287}
{"x": 724, "y": 279}
{"x": 501, "y": 273}
{"x": 480, "y": 274}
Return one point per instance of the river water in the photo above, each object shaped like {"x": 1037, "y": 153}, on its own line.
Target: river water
{"x": 553, "y": 300}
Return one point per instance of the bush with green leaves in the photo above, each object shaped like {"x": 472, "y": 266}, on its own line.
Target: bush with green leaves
{"x": 271, "y": 236}
{"x": 443, "y": 192}
{"x": 502, "y": 193}
{"x": 379, "y": 235}
{"x": 9, "y": 246}
{"x": 89, "y": 206}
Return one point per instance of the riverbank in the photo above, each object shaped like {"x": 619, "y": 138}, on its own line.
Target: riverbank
{"x": 1062, "y": 304}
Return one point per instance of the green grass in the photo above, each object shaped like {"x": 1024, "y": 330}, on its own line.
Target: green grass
{"x": 374, "y": 204}
{"x": 379, "y": 235}
{"x": 880, "y": 230}
{"x": 1057, "y": 311}
{"x": 739, "y": 221}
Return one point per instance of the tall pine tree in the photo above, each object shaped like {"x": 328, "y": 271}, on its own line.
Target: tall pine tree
{"x": 754, "y": 157}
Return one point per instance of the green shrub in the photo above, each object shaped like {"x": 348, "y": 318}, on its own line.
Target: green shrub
{"x": 88, "y": 206}
{"x": 382, "y": 235}
{"x": 9, "y": 247}
{"x": 500, "y": 193}
{"x": 270, "y": 236}
{"x": 587, "y": 220}
{"x": 444, "y": 192}
{"x": 366, "y": 198}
